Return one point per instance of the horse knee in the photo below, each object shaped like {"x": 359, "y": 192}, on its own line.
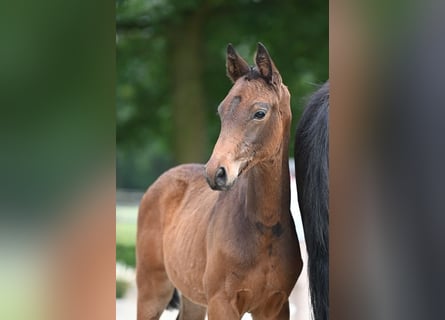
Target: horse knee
{"x": 273, "y": 309}
{"x": 220, "y": 308}
{"x": 148, "y": 309}
{"x": 151, "y": 307}
{"x": 153, "y": 297}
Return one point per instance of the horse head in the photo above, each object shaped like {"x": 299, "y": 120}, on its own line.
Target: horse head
{"x": 255, "y": 118}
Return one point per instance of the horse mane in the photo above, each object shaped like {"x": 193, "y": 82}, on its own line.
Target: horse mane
{"x": 253, "y": 73}
{"x": 311, "y": 171}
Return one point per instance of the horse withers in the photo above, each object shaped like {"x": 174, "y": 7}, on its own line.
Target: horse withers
{"x": 223, "y": 234}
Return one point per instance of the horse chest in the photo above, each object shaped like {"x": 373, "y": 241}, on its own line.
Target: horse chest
{"x": 266, "y": 272}
{"x": 266, "y": 282}
{"x": 248, "y": 265}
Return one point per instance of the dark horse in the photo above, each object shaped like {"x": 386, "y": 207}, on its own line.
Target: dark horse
{"x": 223, "y": 234}
{"x": 311, "y": 172}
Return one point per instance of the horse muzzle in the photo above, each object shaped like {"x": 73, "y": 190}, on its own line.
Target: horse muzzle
{"x": 218, "y": 180}
{"x": 221, "y": 174}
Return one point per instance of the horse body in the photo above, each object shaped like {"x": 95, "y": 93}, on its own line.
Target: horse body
{"x": 175, "y": 210}
{"x": 231, "y": 248}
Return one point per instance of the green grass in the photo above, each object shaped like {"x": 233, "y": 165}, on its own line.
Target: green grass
{"x": 121, "y": 288}
{"x": 126, "y": 225}
{"x": 126, "y": 234}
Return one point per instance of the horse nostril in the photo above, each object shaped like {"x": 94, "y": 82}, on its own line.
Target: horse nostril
{"x": 221, "y": 172}
{"x": 220, "y": 177}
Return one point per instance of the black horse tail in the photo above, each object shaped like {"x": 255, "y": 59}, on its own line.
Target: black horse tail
{"x": 175, "y": 301}
{"x": 311, "y": 173}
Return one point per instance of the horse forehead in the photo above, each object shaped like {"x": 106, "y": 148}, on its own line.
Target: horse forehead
{"x": 245, "y": 92}
{"x": 251, "y": 88}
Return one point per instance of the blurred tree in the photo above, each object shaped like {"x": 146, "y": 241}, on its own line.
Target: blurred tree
{"x": 171, "y": 71}
{"x": 188, "y": 103}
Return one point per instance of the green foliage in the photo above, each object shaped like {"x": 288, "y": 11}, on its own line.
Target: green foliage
{"x": 150, "y": 33}
{"x": 121, "y": 287}
{"x": 126, "y": 254}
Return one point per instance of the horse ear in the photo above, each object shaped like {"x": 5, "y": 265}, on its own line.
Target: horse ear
{"x": 265, "y": 65}
{"x": 235, "y": 65}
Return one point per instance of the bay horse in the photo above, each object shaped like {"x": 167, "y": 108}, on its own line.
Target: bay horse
{"x": 311, "y": 174}
{"x": 222, "y": 233}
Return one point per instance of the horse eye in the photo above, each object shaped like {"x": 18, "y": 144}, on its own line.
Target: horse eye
{"x": 259, "y": 114}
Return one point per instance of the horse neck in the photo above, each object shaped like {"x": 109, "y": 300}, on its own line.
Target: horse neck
{"x": 268, "y": 189}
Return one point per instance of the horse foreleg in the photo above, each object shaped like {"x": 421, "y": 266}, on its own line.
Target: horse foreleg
{"x": 191, "y": 311}
{"x": 266, "y": 313}
{"x": 154, "y": 293}
{"x": 284, "y": 313}
{"x": 220, "y": 308}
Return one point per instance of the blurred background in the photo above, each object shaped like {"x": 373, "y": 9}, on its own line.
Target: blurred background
{"x": 171, "y": 72}
{"x": 63, "y": 95}
{"x": 171, "y": 77}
